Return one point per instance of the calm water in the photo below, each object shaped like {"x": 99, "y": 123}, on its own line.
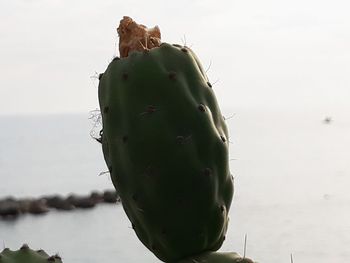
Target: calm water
{"x": 292, "y": 175}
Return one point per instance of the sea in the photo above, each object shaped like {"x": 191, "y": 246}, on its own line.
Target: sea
{"x": 291, "y": 201}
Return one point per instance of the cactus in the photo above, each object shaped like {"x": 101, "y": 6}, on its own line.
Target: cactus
{"x": 165, "y": 143}
{"x": 27, "y": 255}
{"x": 216, "y": 257}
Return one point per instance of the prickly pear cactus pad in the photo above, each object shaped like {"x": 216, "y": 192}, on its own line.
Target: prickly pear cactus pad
{"x": 216, "y": 257}
{"x": 27, "y": 255}
{"x": 165, "y": 143}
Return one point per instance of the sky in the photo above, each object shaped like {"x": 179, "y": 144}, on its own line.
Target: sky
{"x": 271, "y": 54}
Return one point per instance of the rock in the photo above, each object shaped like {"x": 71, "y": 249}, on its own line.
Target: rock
{"x": 24, "y": 205}
{"x": 81, "y": 201}
{"x": 97, "y": 197}
{"x": 9, "y": 208}
{"x": 38, "y": 207}
{"x": 58, "y": 202}
{"x": 110, "y": 196}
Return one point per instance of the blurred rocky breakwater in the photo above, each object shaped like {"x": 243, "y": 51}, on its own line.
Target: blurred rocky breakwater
{"x": 11, "y": 207}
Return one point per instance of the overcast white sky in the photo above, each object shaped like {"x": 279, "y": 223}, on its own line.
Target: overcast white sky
{"x": 264, "y": 53}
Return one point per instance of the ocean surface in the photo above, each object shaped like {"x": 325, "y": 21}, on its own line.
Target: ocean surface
{"x": 292, "y": 181}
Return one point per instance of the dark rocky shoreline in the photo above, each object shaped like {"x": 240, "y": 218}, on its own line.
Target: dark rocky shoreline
{"x": 11, "y": 208}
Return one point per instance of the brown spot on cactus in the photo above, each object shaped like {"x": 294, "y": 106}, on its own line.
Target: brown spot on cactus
{"x": 51, "y": 259}
{"x": 222, "y": 208}
{"x": 125, "y": 139}
{"x": 180, "y": 201}
{"x": 163, "y": 231}
{"x": 24, "y": 246}
{"x": 136, "y": 37}
{"x": 151, "y": 108}
{"x": 134, "y": 197}
{"x": 223, "y": 138}
{"x": 125, "y": 76}
{"x": 180, "y": 139}
{"x": 201, "y": 107}
{"x": 172, "y": 75}
{"x": 207, "y": 172}
{"x": 150, "y": 171}
{"x": 183, "y": 139}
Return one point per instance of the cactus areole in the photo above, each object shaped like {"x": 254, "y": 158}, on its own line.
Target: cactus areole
{"x": 165, "y": 143}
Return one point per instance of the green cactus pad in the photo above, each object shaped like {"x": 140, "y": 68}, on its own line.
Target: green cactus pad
{"x": 27, "y": 255}
{"x": 166, "y": 145}
{"x": 216, "y": 257}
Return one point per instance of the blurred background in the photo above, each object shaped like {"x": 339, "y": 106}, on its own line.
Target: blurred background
{"x": 280, "y": 71}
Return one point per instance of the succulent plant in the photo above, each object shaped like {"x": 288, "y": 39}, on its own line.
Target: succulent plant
{"x": 217, "y": 257}
{"x": 27, "y": 255}
{"x": 165, "y": 143}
